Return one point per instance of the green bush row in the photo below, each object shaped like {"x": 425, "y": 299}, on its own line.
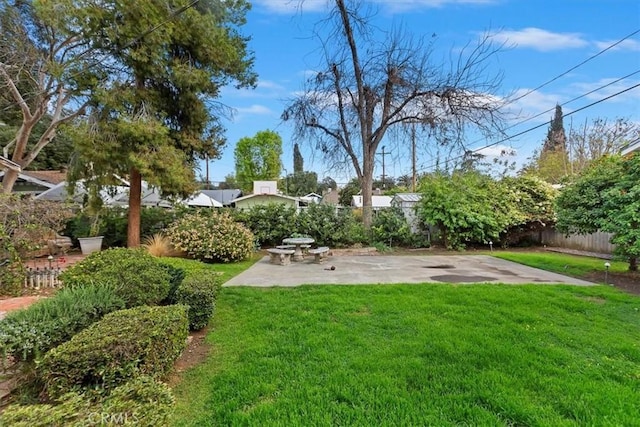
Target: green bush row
{"x": 327, "y": 225}
{"x": 123, "y": 345}
{"x": 142, "y": 402}
{"x": 27, "y": 334}
{"x": 136, "y": 276}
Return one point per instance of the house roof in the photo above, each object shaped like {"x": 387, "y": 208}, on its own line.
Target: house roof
{"x": 407, "y": 197}
{"x": 376, "y": 201}
{"x": 202, "y": 200}
{"x": 223, "y": 196}
{"x": 39, "y": 179}
{"x": 52, "y": 176}
{"x": 631, "y": 147}
{"x": 281, "y": 196}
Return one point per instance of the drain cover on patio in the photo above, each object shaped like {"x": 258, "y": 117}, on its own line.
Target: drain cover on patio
{"x": 440, "y": 266}
{"x": 454, "y": 278}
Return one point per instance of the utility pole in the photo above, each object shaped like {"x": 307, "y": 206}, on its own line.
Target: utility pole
{"x": 384, "y": 184}
{"x": 413, "y": 158}
{"x": 207, "y": 163}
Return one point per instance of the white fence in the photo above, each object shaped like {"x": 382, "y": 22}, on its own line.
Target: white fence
{"x": 595, "y": 242}
{"x": 46, "y": 277}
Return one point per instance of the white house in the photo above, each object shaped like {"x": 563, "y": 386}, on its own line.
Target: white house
{"x": 377, "y": 202}
{"x": 264, "y": 193}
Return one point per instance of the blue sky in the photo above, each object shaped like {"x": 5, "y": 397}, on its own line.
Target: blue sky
{"x": 543, "y": 39}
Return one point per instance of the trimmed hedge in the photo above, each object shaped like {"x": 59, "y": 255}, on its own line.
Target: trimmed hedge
{"x": 26, "y": 334}
{"x": 199, "y": 293}
{"x": 124, "y": 344}
{"x": 136, "y": 276}
{"x": 142, "y": 402}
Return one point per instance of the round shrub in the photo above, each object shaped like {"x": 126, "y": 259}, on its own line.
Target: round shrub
{"x": 136, "y": 276}
{"x": 199, "y": 293}
{"x": 211, "y": 237}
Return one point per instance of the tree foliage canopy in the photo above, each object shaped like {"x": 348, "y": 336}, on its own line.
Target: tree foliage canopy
{"x": 258, "y": 158}
{"x": 473, "y": 208}
{"x": 605, "y": 197}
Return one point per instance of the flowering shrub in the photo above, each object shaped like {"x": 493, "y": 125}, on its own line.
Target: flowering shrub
{"x": 212, "y": 237}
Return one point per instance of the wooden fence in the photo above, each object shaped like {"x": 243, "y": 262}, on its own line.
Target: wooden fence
{"x": 595, "y": 242}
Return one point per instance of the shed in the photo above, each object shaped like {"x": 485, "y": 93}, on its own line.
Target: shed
{"x": 408, "y": 202}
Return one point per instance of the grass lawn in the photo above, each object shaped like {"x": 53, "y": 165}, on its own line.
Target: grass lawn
{"x": 571, "y": 265}
{"x": 418, "y": 355}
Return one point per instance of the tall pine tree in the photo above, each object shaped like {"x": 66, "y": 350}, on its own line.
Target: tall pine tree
{"x": 556, "y": 138}
{"x": 298, "y": 161}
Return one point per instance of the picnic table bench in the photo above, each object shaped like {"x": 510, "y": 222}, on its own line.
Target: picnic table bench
{"x": 320, "y": 253}
{"x": 280, "y": 256}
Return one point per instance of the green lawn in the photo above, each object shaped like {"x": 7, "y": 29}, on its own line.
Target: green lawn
{"x": 571, "y": 265}
{"x": 418, "y": 355}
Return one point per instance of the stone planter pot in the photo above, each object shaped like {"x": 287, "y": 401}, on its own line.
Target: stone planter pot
{"x": 89, "y": 245}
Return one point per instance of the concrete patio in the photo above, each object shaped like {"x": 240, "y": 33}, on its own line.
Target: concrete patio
{"x": 385, "y": 269}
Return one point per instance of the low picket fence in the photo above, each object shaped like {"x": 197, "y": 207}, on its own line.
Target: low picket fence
{"x": 45, "y": 277}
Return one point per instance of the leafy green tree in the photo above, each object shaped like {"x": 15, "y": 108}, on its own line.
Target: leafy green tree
{"x": 347, "y": 192}
{"x": 326, "y": 184}
{"x": 605, "y": 197}
{"x": 229, "y": 183}
{"x": 258, "y": 158}
{"x": 466, "y": 207}
{"x": 301, "y": 183}
{"x": 551, "y": 163}
{"x": 152, "y": 119}
{"x": 556, "y": 138}
{"x": 531, "y": 206}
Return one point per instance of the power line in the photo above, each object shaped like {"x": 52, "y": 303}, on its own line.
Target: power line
{"x": 538, "y": 126}
{"x": 574, "y": 67}
{"x": 528, "y": 119}
{"x": 511, "y": 101}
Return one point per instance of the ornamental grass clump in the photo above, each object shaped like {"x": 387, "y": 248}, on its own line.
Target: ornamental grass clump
{"x": 213, "y": 237}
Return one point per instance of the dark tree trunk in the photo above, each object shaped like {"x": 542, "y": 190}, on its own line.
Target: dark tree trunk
{"x": 633, "y": 263}
{"x": 135, "y": 194}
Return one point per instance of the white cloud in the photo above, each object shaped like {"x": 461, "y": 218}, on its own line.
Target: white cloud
{"x": 254, "y": 109}
{"x": 295, "y": 6}
{"x": 629, "y": 44}
{"x": 539, "y": 39}
{"x": 612, "y": 89}
{"x": 534, "y": 104}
